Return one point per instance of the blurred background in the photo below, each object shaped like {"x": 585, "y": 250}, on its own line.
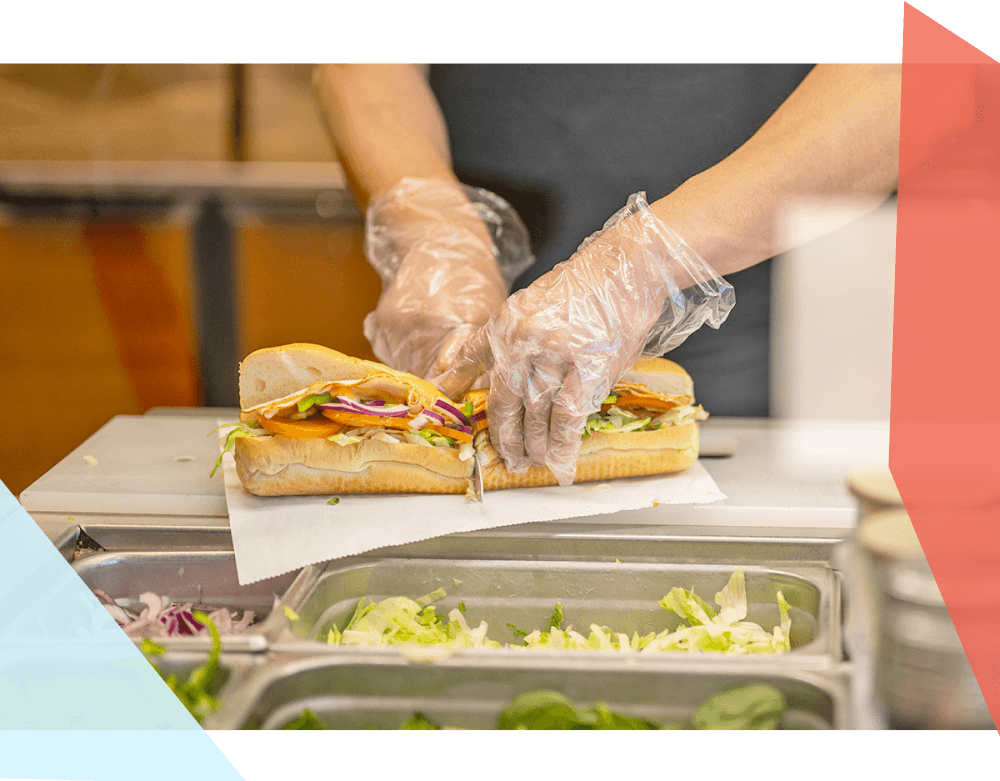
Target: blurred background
{"x": 159, "y": 222}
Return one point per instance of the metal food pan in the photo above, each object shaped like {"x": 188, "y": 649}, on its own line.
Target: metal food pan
{"x": 233, "y": 673}
{"x": 622, "y": 595}
{"x": 348, "y": 694}
{"x": 206, "y": 577}
{"x": 678, "y": 544}
{"x": 80, "y": 541}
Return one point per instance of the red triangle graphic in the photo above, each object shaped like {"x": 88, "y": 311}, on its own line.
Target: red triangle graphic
{"x": 946, "y": 368}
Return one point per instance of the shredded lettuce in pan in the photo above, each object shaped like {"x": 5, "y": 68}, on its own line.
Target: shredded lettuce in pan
{"x": 724, "y": 631}
{"x": 400, "y": 621}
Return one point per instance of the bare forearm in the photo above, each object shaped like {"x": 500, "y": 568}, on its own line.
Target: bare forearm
{"x": 386, "y": 125}
{"x": 836, "y": 135}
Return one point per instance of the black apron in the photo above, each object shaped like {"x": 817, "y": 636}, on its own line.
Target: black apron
{"x": 567, "y": 145}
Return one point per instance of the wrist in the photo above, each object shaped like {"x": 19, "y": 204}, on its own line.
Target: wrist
{"x": 466, "y": 223}
{"x": 692, "y": 293}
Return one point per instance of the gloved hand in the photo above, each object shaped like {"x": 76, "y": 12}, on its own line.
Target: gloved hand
{"x": 447, "y": 255}
{"x": 554, "y": 350}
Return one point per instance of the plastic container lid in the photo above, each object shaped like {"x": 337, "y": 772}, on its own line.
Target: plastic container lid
{"x": 891, "y": 535}
{"x": 874, "y": 484}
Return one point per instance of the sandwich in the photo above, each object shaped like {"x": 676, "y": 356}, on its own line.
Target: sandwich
{"x": 316, "y": 421}
{"x": 647, "y": 425}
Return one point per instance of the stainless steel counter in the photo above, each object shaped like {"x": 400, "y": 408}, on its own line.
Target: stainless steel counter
{"x": 784, "y": 479}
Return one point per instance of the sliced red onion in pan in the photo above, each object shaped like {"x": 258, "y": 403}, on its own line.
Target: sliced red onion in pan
{"x": 136, "y": 627}
{"x": 222, "y": 620}
{"x": 163, "y": 618}
{"x": 244, "y": 622}
{"x": 117, "y": 613}
{"x": 104, "y": 597}
{"x": 452, "y": 411}
{"x": 154, "y": 602}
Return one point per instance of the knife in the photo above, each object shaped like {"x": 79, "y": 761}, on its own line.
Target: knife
{"x": 477, "y": 479}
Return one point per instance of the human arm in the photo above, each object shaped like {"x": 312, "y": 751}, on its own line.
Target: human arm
{"x": 554, "y": 347}
{"x": 432, "y": 241}
{"x": 836, "y": 136}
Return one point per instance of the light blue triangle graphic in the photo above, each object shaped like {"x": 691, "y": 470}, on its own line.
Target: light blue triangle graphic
{"x": 65, "y": 665}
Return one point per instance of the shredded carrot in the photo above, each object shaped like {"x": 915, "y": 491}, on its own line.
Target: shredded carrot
{"x": 638, "y": 402}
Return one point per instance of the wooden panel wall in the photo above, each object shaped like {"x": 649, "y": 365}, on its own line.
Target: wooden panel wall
{"x": 156, "y": 112}
{"x": 95, "y": 322}
{"x": 96, "y": 319}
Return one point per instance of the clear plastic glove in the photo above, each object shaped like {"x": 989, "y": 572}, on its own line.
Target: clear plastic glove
{"x": 447, "y": 255}
{"x": 554, "y": 350}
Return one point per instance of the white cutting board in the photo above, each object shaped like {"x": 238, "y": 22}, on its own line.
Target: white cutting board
{"x": 144, "y": 465}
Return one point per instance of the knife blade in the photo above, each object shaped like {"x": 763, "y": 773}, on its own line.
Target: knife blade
{"x": 477, "y": 479}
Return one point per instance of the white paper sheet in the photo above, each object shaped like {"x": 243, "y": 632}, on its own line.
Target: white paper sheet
{"x": 274, "y": 535}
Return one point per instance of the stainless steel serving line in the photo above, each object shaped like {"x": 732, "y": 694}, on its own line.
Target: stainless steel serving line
{"x": 147, "y": 517}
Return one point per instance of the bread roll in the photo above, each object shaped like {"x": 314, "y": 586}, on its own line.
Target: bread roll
{"x": 606, "y": 456}
{"x": 273, "y": 380}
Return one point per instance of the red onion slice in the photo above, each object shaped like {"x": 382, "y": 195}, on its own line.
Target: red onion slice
{"x": 140, "y": 626}
{"x": 118, "y": 614}
{"x": 379, "y": 410}
{"x": 463, "y": 429}
{"x": 154, "y": 602}
{"x": 186, "y": 623}
{"x": 243, "y": 622}
{"x": 390, "y": 411}
{"x": 104, "y": 597}
{"x": 435, "y": 417}
{"x": 453, "y": 411}
{"x": 223, "y": 621}
{"x": 171, "y": 618}
{"x": 481, "y": 415}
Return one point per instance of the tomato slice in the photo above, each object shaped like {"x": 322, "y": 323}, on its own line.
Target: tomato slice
{"x": 311, "y": 428}
{"x": 359, "y": 420}
{"x": 638, "y": 402}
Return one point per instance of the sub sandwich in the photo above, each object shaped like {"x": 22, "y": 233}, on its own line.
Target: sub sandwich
{"x": 647, "y": 425}
{"x": 316, "y": 421}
